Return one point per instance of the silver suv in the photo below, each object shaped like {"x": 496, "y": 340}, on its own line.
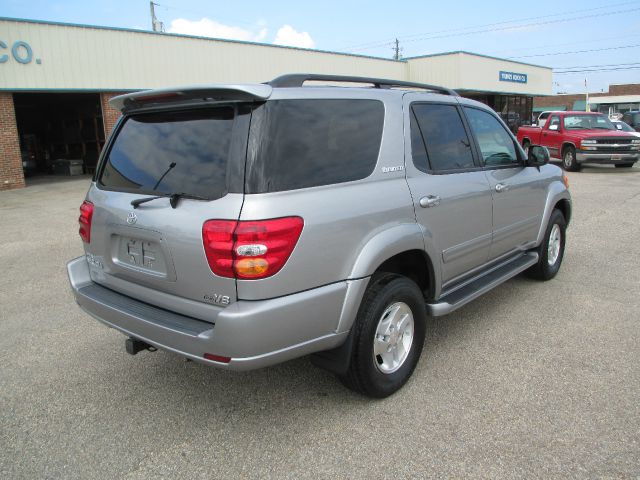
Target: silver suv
{"x": 245, "y": 225}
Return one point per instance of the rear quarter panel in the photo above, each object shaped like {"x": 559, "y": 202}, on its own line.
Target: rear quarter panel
{"x": 339, "y": 219}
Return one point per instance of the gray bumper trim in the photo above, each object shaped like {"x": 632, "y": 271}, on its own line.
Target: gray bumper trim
{"x": 125, "y": 305}
{"x": 254, "y": 334}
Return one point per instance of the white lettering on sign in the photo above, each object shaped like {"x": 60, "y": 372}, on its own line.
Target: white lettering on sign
{"x": 512, "y": 77}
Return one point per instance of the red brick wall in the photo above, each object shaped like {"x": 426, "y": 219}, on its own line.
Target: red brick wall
{"x": 11, "y": 175}
{"x": 626, "y": 89}
{"x": 109, "y": 114}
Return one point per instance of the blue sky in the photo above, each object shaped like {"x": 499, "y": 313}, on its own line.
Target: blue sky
{"x": 603, "y": 34}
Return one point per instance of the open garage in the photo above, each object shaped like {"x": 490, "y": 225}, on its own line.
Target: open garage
{"x": 60, "y": 133}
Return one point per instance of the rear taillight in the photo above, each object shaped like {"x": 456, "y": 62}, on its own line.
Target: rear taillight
{"x": 250, "y": 249}
{"x": 86, "y": 214}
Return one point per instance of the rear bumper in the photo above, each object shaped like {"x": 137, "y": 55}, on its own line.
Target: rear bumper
{"x": 606, "y": 158}
{"x": 254, "y": 334}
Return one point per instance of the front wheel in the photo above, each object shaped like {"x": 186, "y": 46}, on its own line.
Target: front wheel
{"x": 389, "y": 334}
{"x": 624, "y": 165}
{"x": 551, "y": 251}
{"x": 569, "y": 162}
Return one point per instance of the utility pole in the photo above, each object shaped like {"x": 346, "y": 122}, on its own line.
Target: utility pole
{"x": 156, "y": 25}
{"x": 587, "y": 108}
{"x": 396, "y": 50}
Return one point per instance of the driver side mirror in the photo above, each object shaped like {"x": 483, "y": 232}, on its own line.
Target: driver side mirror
{"x": 538, "y": 156}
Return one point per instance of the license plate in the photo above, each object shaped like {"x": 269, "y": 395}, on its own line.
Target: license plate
{"x": 140, "y": 255}
{"x": 616, "y": 158}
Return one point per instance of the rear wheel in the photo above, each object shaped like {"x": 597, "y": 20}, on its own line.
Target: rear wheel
{"x": 624, "y": 165}
{"x": 551, "y": 251}
{"x": 569, "y": 162}
{"x": 389, "y": 334}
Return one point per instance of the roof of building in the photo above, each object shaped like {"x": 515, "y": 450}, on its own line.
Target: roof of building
{"x": 180, "y": 35}
{"x": 456, "y": 52}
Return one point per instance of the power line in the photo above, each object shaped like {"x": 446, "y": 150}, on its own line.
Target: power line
{"x": 537, "y": 47}
{"x": 389, "y": 40}
{"x": 577, "y": 51}
{"x": 409, "y": 38}
{"x": 597, "y": 70}
{"x": 594, "y": 66}
{"x": 513, "y": 27}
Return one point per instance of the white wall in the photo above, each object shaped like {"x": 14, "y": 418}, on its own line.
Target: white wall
{"x": 91, "y": 58}
{"x": 477, "y": 72}
{"x": 75, "y": 57}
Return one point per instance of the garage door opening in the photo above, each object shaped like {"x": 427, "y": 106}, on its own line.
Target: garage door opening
{"x": 60, "y": 133}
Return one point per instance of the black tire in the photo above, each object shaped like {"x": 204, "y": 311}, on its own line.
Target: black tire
{"x": 624, "y": 165}
{"x": 525, "y": 146}
{"x": 569, "y": 162}
{"x": 543, "y": 270}
{"x": 363, "y": 375}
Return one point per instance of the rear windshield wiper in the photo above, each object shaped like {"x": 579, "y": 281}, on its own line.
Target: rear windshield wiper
{"x": 173, "y": 199}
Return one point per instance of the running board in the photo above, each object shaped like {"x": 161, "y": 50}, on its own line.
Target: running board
{"x": 482, "y": 284}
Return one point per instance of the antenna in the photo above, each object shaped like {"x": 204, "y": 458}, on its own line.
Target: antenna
{"x": 156, "y": 25}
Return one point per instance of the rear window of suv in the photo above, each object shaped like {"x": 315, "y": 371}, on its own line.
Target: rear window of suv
{"x": 171, "y": 152}
{"x": 306, "y": 143}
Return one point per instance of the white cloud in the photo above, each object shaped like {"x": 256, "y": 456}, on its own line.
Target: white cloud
{"x": 206, "y": 27}
{"x": 287, "y": 35}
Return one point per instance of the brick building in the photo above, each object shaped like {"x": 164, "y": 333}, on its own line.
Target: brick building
{"x": 619, "y": 98}
{"x": 56, "y": 80}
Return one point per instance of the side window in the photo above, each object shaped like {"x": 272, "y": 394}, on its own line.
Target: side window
{"x": 446, "y": 144}
{"x": 496, "y": 145}
{"x": 418, "y": 151}
{"x": 555, "y": 120}
{"x": 312, "y": 142}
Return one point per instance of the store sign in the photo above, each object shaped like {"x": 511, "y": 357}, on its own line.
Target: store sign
{"x": 19, "y": 51}
{"x": 513, "y": 77}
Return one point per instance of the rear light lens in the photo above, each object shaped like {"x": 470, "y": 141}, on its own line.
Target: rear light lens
{"x": 250, "y": 249}
{"x": 217, "y": 358}
{"x": 86, "y": 214}
{"x": 217, "y": 236}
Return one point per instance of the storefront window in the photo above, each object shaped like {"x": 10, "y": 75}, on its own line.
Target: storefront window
{"x": 515, "y": 110}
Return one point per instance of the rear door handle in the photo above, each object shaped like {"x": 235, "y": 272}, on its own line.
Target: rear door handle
{"x": 501, "y": 187}
{"x": 430, "y": 201}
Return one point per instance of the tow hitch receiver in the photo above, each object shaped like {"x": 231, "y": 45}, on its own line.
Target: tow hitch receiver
{"x": 133, "y": 346}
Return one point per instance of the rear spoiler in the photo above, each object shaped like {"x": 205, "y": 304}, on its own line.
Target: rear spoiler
{"x": 150, "y": 98}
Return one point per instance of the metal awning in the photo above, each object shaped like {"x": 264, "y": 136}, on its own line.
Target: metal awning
{"x": 557, "y": 108}
{"x": 580, "y": 106}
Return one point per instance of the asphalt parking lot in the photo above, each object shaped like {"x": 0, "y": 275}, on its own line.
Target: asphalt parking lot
{"x": 532, "y": 380}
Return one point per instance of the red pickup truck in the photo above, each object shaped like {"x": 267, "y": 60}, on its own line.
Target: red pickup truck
{"x": 582, "y": 137}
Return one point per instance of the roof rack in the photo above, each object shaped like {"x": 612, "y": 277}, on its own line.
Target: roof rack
{"x": 298, "y": 79}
